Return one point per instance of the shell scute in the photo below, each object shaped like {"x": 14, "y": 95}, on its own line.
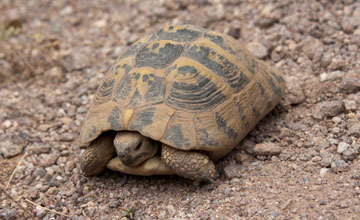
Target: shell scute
{"x": 180, "y": 131}
{"x": 219, "y": 62}
{"x": 193, "y": 88}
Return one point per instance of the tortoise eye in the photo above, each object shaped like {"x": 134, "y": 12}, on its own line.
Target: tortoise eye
{"x": 138, "y": 146}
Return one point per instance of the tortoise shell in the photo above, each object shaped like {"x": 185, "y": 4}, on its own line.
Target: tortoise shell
{"x": 187, "y": 87}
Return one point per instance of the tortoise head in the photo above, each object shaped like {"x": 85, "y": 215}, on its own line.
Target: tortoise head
{"x": 133, "y": 148}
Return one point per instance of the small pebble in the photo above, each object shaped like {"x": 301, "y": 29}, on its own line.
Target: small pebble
{"x": 6, "y": 124}
{"x": 327, "y": 108}
{"x": 350, "y": 105}
{"x": 339, "y": 166}
{"x": 232, "y": 171}
{"x": 171, "y": 210}
{"x": 351, "y": 82}
{"x": 335, "y": 75}
{"x": 354, "y": 130}
{"x": 8, "y": 214}
{"x": 256, "y": 48}
{"x": 342, "y": 147}
{"x": 9, "y": 149}
{"x": 294, "y": 88}
{"x": 350, "y": 154}
{"x": 48, "y": 159}
{"x": 336, "y": 120}
{"x": 323, "y": 172}
{"x": 337, "y": 63}
{"x": 343, "y": 204}
{"x": 39, "y": 171}
{"x": 264, "y": 149}
{"x": 75, "y": 61}
{"x": 55, "y": 73}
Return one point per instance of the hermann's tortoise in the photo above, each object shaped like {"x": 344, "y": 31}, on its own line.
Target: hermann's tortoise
{"x": 174, "y": 102}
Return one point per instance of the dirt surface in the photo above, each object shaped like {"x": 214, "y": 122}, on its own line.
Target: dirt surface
{"x": 53, "y": 55}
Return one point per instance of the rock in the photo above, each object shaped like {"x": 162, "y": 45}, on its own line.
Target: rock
{"x": 195, "y": 202}
{"x": 7, "y": 124}
{"x": 243, "y": 157}
{"x": 342, "y": 147}
{"x": 332, "y": 108}
{"x": 316, "y": 159}
{"x": 350, "y": 105}
{"x": 39, "y": 171}
{"x": 343, "y": 205}
{"x": 354, "y": 130}
{"x": 54, "y": 73}
{"x": 248, "y": 144}
{"x": 325, "y": 60}
{"x": 353, "y": 48}
{"x": 44, "y": 127}
{"x": 351, "y": 82}
{"x": 268, "y": 15}
{"x": 196, "y": 17}
{"x": 52, "y": 191}
{"x": 309, "y": 46}
{"x": 256, "y": 48}
{"x": 347, "y": 25}
{"x": 100, "y": 23}
{"x": 294, "y": 90}
{"x": 9, "y": 149}
{"x": 41, "y": 213}
{"x": 337, "y": 63}
{"x": 235, "y": 32}
{"x": 162, "y": 215}
{"x": 326, "y": 160}
{"x": 335, "y": 75}
{"x": 327, "y": 108}
{"x": 41, "y": 149}
{"x": 66, "y": 11}
{"x": 171, "y": 210}
{"x": 216, "y": 13}
{"x": 47, "y": 160}
{"x": 67, "y": 136}
{"x": 232, "y": 171}
{"x": 336, "y": 120}
{"x": 339, "y": 166}
{"x": 8, "y": 214}
{"x": 323, "y": 172}
{"x": 264, "y": 149}
{"x": 75, "y": 61}
{"x": 350, "y": 154}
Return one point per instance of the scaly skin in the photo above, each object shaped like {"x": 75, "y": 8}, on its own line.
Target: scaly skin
{"x": 94, "y": 159}
{"x": 189, "y": 164}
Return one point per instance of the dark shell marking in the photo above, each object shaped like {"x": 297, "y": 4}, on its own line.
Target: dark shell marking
{"x": 143, "y": 118}
{"x": 187, "y": 87}
{"x": 179, "y": 35}
{"x": 104, "y": 92}
{"x": 114, "y": 119}
{"x": 158, "y": 56}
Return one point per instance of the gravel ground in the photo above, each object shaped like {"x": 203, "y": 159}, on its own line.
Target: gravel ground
{"x": 301, "y": 161}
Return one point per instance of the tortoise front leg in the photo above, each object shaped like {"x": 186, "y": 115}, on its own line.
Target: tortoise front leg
{"x": 94, "y": 159}
{"x": 189, "y": 164}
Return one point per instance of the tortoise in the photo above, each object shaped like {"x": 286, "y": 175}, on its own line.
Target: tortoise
{"x": 176, "y": 101}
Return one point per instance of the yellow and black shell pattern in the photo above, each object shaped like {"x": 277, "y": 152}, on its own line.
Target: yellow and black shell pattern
{"x": 187, "y": 87}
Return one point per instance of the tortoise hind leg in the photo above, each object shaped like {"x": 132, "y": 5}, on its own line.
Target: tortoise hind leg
{"x": 189, "y": 164}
